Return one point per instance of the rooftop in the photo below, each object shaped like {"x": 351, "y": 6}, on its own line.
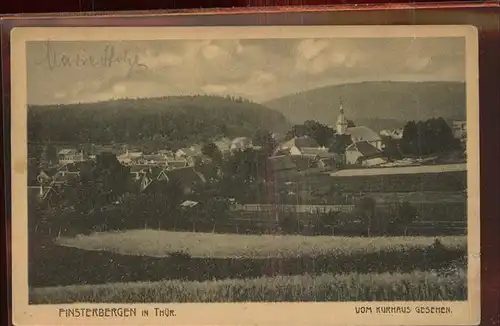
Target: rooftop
{"x": 365, "y": 148}
{"x": 362, "y": 133}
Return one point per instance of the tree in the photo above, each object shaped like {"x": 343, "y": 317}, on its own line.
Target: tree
{"x": 162, "y": 121}
{"x": 100, "y": 184}
{"x": 212, "y": 151}
{"x": 48, "y": 155}
{"x": 405, "y": 215}
{"x": 431, "y": 136}
{"x": 392, "y": 147}
{"x": 215, "y": 211}
{"x": 365, "y": 209}
{"x": 321, "y": 133}
{"x": 264, "y": 138}
{"x": 340, "y": 143}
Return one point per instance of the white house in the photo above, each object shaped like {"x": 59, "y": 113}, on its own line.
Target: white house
{"x": 396, "y": 133}
{"x": 223, "y": 144}
{"x": 70, "y": 155}
{"x": 241, "y": 143}
{"x": 459, "y": 129}
{"x": 129, "y": 157}
{"x": 299, "y": 146}
{"x": 187, "y": 154}
{"x": 363, "y": 153}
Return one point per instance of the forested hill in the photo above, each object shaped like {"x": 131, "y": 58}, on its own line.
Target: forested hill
{"x": 173, "y": 121}
{"x": 366, "y": 101}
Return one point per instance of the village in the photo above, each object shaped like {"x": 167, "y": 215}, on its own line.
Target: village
{"x": 300, "y": 176}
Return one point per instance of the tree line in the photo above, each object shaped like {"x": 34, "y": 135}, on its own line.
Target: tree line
{"x": 169, "y": 122}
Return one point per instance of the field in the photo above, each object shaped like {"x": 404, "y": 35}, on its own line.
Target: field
{"x": 363, "y": 181}
{"x": 163, "y": 266}
{"x": 427, "y": 197}
{"x": 155, "y": 243}
{"x": 416, "y": 286}
{"x": 402, "y": 170}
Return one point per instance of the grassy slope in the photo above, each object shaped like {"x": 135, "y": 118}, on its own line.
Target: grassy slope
{"x": 416, "y": 286}
{"x": 161, "y": 243}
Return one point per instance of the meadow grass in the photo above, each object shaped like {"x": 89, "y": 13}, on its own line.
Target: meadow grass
{"x": 415, "y": 286}
{"x": 157, "y": 243}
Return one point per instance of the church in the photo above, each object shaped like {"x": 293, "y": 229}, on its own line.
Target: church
{"x": 357, "y": 133}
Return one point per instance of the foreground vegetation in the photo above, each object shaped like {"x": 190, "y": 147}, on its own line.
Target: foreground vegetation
{"x": 207, "y": 245}
{"x": 415, "y": 286}
{"x": 202, "y": 257}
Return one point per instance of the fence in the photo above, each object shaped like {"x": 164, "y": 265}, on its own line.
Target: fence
{"x": 311, "y": 209}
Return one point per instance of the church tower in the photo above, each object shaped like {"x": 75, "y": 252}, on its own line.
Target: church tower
{"x": 341, "y": 121}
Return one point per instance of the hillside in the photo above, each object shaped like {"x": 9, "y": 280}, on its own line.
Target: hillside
{"x": 171, "y": 121}
{"x": 376, "y": 104}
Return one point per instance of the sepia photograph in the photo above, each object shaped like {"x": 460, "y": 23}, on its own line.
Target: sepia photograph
{"x": 256, "y": 165}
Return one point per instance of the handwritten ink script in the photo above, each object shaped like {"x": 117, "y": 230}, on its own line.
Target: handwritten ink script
{"x": 114, "y": 312}
{"x": 108, "y": 57}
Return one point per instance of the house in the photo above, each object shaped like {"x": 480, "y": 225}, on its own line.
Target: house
{"x": 153, "y": 159}
{"x": 189, "y": 204}
{"x": 45, "y": 176}
{"x": 240, "y": 144}
{"x": 196, "y": 148}
{"x": 363, "y": 153}
{"x": 71, "y": 155}
{"x": 75, "y": 167}
{"x": 365, "y": 134}
{"x": 129, "y": 157}
{"x": 176, "y": 163}
{"x": 39, "y": 193}
{"x": 188, "y": 154}
{"x": 166, "y": 152}
{"x": 66, "y": 178}
{"x": 187, "y": 178}
{"x": 139, "y": 170}
{"x": 392, "y": 133}
{"x": 157, "y": 180}
{"x": 316, "y": 152}
{"x": 327, "y": 163}
{"x": 224, "y": 145}
{"x": 96, "y": 150}
{"x": 39, "y": 183}
{"x": 459, "y": 129}
{"x": 297, "y": 146}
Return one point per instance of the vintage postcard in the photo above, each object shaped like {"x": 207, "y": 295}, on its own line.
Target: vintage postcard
{"x": 285, "y": 175}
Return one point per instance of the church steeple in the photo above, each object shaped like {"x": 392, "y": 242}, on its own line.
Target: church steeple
{"x": 341, "y": 120}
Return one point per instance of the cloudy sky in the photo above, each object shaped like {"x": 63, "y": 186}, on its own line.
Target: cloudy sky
{"x": 260, "y": 70}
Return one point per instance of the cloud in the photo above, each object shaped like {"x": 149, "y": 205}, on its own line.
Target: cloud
{"x": 119, "y": 89}
{"x": 161, "y": 60}
{"x": 214, "y": 89}
{"x": 258, "y": 69}
{"x": 418, "y": 63}
{"x": 60, "y": 94}
{"x": 309, "y": 49}
{"x": 317, "y": 57}
{"x": 211, "y": 52}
